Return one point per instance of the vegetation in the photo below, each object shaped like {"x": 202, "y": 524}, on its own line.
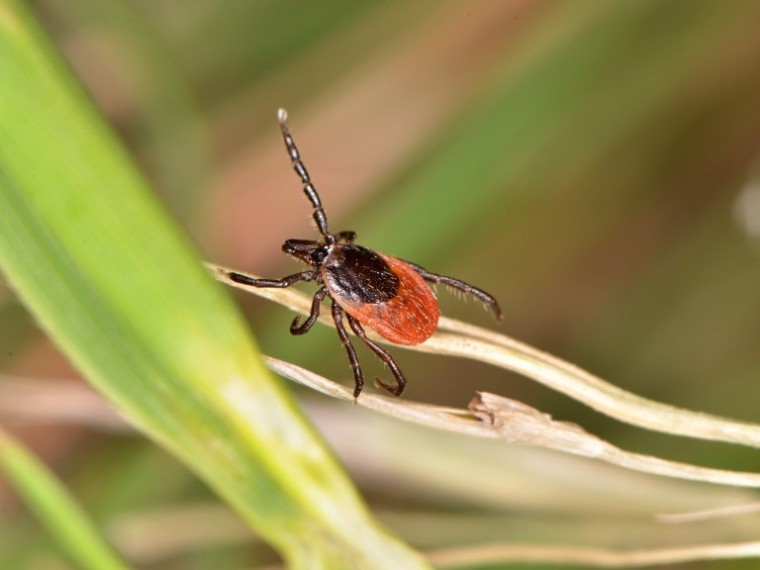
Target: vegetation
{"x": 592, "y": 164}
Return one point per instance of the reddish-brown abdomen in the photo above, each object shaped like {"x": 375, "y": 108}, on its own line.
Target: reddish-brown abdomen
{"x": 410, "y": 317}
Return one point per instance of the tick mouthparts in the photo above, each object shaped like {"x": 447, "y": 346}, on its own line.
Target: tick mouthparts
{"x": 282, "y": 115}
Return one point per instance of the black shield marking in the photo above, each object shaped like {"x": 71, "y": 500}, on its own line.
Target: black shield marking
{"x": 359, "y": 274}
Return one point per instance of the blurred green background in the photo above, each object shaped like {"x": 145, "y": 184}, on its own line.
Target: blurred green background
{"x": 594, "y": 165}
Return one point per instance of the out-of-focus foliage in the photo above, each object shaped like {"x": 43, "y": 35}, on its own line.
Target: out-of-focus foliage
{"x": 593, "y": 164}
{"x": 176, "y": 361}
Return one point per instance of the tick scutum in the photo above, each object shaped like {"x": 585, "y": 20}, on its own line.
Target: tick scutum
{"x": 359, "y": 275}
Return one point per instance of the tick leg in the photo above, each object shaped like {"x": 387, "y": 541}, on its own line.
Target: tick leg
{"x": 277, "y": 283}
{"x": 337, "y": 314}
{"x": 383, "y": 355}
{"x": 479, "y": 294}
{"x": 299, "y": 246}
{"x": 347, "y": 236}
{"x": 295, "y": 328}
{"x": 311, "y": 193}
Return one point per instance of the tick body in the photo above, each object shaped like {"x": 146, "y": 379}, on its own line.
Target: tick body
{"x": 368, "y": 288}
{"x": 381, "y": 292}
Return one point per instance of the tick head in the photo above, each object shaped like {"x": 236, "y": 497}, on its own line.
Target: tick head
{"x": 319, "y": 254}
{"x": 310, "y": 252}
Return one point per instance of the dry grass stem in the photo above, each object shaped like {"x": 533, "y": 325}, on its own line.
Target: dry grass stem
{"x": 709, "y": 514}
{"x": 460, "y": 339}
{"x": 588, "y": 557}
{"x": 494, "y": 417}
{"x": 488, "y": 416}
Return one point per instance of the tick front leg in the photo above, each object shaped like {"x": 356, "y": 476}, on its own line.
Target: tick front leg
{"x": 383, "y": 355}
{"x": 479, "y": 294}
{"x": 295, "y": 328}
{"x": 347, "y": 236}
{"x": 275, "y": 283}
{"x": 337, "y": 314}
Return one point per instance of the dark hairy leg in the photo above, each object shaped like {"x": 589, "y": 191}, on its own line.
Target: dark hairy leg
{"x": 275, "y": 283}
{"x": 296, "y": 328}
{"x": 383, "y": 355}
{"x": 347, "y": 236}
{"x": 337, "y": 314}
{"x": 479, "y": 294}
{"x": 320, "y": 218}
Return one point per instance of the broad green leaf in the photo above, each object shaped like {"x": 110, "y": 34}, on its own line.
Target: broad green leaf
{"x": 120, "y": 290}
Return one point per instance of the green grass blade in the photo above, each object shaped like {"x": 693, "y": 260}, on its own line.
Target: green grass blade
{"x": 118, "y": 287}
{"x": 56, "y": 508}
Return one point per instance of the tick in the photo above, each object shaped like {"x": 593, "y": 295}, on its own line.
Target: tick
{"x": 368, "y": 288}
